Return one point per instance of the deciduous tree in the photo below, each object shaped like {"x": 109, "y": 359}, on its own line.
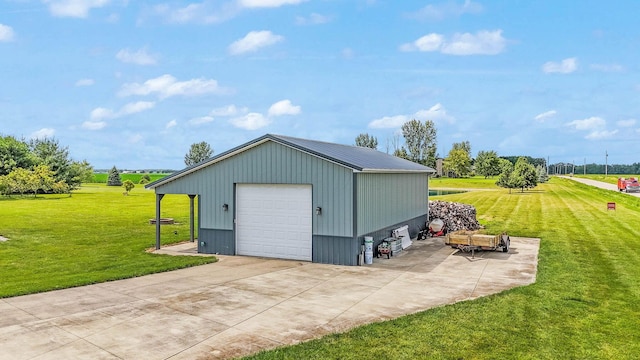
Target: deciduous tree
{"x": 458, "y": 161}
{"x": 198, "y": 153}
{"x": 366, "y": 140}
{"x": 420, "y": 141}
{"x": 14, "y": 154}
{"x": 487, "y": 164}
{"x": 128, "y": 185}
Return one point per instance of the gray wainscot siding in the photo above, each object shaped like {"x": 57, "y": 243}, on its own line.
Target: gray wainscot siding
{"x": 271, "y": 163}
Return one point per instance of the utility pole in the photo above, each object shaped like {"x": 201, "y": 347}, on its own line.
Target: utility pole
{"x": 585, "y": 167}
{"x": 573, "y": 168}
{"x": 547, "y": 165}
{"x": 606, "y": 163}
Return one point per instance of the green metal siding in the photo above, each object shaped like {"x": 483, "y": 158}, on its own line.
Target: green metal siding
{"x": 271, "y": 163}
{"x": 386, "y": 199}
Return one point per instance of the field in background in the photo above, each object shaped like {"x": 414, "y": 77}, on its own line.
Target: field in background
{"x": 101, "y": 178}
{"x": 584, "y": 304}
{"x": 96, "y": 235}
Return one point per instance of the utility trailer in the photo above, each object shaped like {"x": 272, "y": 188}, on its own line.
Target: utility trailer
{"x": 471, "y": 241}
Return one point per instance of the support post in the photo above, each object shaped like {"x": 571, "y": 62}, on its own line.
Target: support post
{"x": 158, "y": 199}
{"x": 191, "y": 218}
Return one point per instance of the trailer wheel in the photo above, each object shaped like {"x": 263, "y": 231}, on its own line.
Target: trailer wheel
{"x": 507, "y": 244}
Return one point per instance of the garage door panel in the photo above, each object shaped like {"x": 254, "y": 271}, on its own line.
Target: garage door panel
{"x": 274, "y": 221}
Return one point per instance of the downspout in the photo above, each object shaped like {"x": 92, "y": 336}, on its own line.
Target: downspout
{"x": 191, "y": 218}
{"x": 158, "y": 199}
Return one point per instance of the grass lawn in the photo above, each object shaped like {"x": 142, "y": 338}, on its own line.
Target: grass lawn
{"x": 584, "y": 305}
{"x": 57, "y": 241}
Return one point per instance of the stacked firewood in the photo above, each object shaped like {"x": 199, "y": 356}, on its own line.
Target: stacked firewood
{"x": 456, "y": 216}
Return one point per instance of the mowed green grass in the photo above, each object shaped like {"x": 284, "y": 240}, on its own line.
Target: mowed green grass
{"x": 585, "y": 303}
{"x": 96, "y": 235}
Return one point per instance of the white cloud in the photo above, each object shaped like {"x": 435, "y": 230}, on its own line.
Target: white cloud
{"x": 607, "y": 67}
{"x": 166, "y": 86}
{"x": 229, "y": 110}
{"x": 429, "y": 42}
{"x": 566, "y": 66}
{"x": 284, "y": 107}
{"x": 171, "y": 124}
{"x": 389, "y": 122}
{"x": 545, "y": 115}
{"x": 101, "y": 113}
{"x": 251, "y": 121}
{"x": 139, "y": 57}
{"x": 602, "y": 134}
{"x": 448, "y": 9}
{"x": 201, "y": 120}
{"x": 6, "y": 33}
{"x": 312, "y": 19}
{"x": 73, "y": 8}
{"x": 85, "y": 82}
{"x": 483, "y": 42}
{"x": 267, "y": 3}
{"x": 204, "y": 12}
{"x": 42, "y": 133}
{"x": 626, "y": 123}
{"x": 435, "y": 113}
{"x": 93, "y": 125}
{"x": 591, "y": 123}
{"x": 253, "y": 41}
{"x": 135, "y": 107}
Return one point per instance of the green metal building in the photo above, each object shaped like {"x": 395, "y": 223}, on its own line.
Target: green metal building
{"x": 291, "y": 198}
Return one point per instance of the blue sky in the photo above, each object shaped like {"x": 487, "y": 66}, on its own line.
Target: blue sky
{"x": 135, "y": 83}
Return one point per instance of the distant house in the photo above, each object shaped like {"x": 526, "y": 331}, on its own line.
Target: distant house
{"x": 290, "y": 198}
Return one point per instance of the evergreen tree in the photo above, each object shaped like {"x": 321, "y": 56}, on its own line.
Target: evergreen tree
{"x": 114, "y": 177}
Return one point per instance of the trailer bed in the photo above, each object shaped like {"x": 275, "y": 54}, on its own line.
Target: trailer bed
{"x": 471, "y": 241}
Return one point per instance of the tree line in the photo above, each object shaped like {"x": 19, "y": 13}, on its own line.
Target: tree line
{"x": 514, "y": 172}
{"x": 39, "y": 166}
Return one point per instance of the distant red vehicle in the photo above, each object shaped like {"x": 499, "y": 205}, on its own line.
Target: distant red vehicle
{"x": 628, "y": 185}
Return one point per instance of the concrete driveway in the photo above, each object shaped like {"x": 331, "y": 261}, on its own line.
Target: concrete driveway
{"x": 241, "y": 305}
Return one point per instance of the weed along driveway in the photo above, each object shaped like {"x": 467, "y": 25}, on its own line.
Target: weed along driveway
{"x": 241, "y": 305}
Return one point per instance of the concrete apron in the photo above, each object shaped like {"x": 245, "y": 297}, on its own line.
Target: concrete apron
{"x": 241, "y": 305}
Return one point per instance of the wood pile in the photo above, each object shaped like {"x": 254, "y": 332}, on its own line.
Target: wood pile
{"x": 456, "y": 216}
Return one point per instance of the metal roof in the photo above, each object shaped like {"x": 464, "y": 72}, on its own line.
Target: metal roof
{"x": 357, "y": 158}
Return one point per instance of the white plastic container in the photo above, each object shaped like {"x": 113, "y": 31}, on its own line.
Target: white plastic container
{"x": 368, "y": 250}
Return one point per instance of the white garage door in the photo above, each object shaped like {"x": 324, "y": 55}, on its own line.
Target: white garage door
{"x": 274, "y": 221}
